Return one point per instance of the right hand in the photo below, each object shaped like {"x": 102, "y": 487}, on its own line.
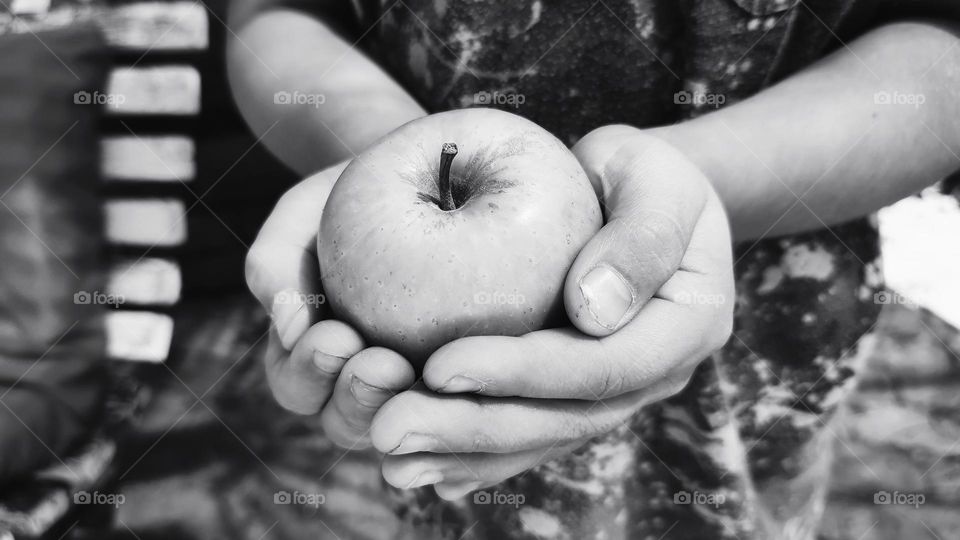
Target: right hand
{"x": 315, "y": 363}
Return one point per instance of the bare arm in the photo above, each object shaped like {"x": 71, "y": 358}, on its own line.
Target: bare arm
{"x": 826, "y": 136}
{"x": 274, "y": 49}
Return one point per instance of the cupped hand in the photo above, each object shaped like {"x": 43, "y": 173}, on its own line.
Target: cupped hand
{"x": 650, "y": 296}
{"x": 314, "y": 363}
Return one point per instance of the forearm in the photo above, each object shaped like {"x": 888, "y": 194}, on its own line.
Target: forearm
{"x": 351, "y": 101}
{"x": 819, "y": 148}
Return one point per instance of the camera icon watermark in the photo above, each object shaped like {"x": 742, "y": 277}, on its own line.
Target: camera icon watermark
{"x": 96, "y": 97}
{"x": 110, "y": 499}
{"x": 699, "y": 99}
{"x": 292, "y": 297}
{"x": 299, "y": 498}
{"x": 891, "y": 297}
{"x": 299, "y": 98}
{"x": 906, "y": 499}
{"x": 699, "y": 498}
{"x": 700, "y": 299}
{"x": 511, "y": 99}
{"x": 899, "y": 98}
{"x": 484, "y": 298}
{"x": 511, "y": 499}
{"x": 97, "y": 298}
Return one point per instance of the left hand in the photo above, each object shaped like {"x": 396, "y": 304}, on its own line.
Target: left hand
{"x": 316, "y": 365}
{"x": 650, "y": 296}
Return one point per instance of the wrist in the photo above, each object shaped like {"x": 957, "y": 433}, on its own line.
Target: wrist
{"x": 709, "y": 148}
{"x": 692, "y": 141}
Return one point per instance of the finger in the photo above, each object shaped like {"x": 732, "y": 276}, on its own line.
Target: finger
{"x": 282, "y": 269}
{"x": 690, "y": 319}
{"x": 301, "y": 381}
{"x": 460, "y": 473}
{"x": 367, "y": 381}
{"x": 652, "y": 197}
{"x": 421, "y": 421}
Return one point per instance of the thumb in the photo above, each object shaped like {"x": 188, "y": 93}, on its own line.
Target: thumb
{"x": 652, "y": 197}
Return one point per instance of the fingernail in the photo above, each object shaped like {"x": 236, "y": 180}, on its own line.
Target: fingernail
{"x": 364, "y": 393}
{"x": 328, "y": 363}
{"x": 415, "y": 442}
{"x": 425, "y": 479}
{"x": 607, "y": 294}
{"x": 290, "y": 316}
{"x": 461, "y": 384}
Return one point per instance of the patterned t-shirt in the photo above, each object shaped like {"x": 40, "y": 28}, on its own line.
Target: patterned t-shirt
{"x": 741, "y": 453}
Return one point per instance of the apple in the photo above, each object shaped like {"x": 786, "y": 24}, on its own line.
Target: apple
{"x": 457, "y": 224}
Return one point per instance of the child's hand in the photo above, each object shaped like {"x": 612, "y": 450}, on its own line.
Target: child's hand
{"x": 316, "y": 366}
{"x": 651, "y": 295}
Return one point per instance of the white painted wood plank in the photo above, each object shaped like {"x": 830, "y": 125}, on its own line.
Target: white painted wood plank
{"x": 161, "y": 158}
{"x": 173, "y": 90}
{"x": 29, "y": 7}
{"x": 148, "y": 281}
{"x": 921, "y": 255}
{"x": 157, "y": 26}
{"x": 146, "y": 222}
{"x": 141, "y": 336}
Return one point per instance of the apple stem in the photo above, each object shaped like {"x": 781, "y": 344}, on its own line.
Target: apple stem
{"x": 447, "y": 153}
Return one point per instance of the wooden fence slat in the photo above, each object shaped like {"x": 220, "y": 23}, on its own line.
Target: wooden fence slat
{"x": 148, "y": 281}
{"x": 167, "y": 90}
{"x": 142, "y": 336}
{"x": 29, "y": 7}
{"x": 146, "y": 222}
{"x": 160, "y": 158}
{"x": 157, "y": 26}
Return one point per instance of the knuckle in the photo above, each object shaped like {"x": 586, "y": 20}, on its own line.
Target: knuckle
{"x": 677, "y": 379}
{"x": 253, "y": 270}
{"x": 723, "y": 332}
{"x": 291, "y": 404}
{"x": 611, "y": 382}
{"x": 677, "y": 382}
{"x": 347, "y": 441}
{"x": 489, "y": 442}
{"x": 601, "y": 135}
{"x": 578, "y": 426}
{"x": 659, "y": 228}
{"x": 719, "y": 332}
{"x": 279, "y": 388}
{"x": 654, "y": 242}
{"x": 356, "y": 421}
{"x": 479, "y": 442}
{"x": 713, "y": 325}
{"x": 342, "y": 429}
{"x": 481, "y": 439}
{"x": 295, "y": 407}
{"x": 597, "y": 148}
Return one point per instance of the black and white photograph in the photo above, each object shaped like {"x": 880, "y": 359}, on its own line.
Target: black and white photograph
{"x": 479, "y": 270}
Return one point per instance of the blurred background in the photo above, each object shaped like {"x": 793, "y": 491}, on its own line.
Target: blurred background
{"x": 131, "y": 190}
